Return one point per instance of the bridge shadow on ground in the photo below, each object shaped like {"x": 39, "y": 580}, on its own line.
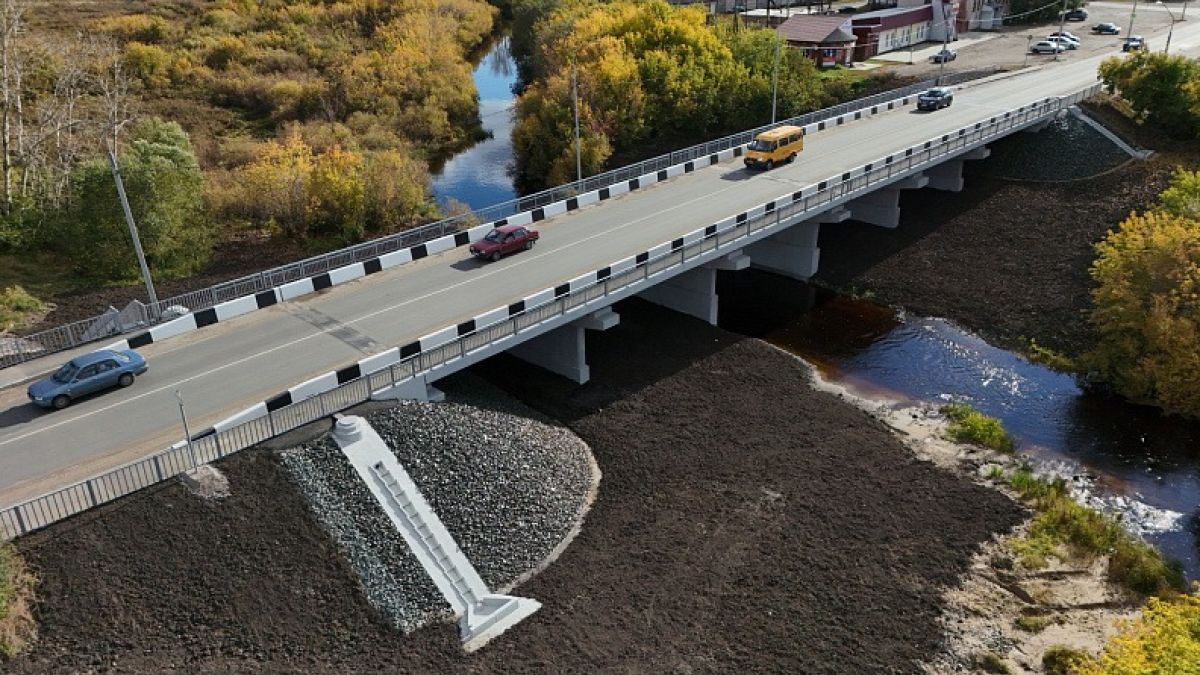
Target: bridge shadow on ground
{"x": 670, "y": 342}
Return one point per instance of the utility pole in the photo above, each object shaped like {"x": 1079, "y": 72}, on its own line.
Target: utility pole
{"x": 1171, "y": 30}
{"x": 775, "y": 78}
{"x": 945, "y": 40}
{"x": 1062, "y": 23}
{"x": 1028, "y": 45}
{"x": 575, "y": 98}
{"x": 1132, "y": 14}
{"x": 133, "y": 232}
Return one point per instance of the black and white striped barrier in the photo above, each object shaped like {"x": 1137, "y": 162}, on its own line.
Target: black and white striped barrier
{"x": 244, "y": 305}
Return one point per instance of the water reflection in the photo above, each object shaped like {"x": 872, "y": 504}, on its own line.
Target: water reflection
{"x": 1131, "y": 450}
{"x": 478, "y": 176}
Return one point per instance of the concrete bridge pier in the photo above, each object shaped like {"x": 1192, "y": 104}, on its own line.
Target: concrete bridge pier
{"x": 882, "y": 207}
{"x": 947, "y": 176}
{"x": 693, "y": 293}
{"x": 563, "y": 350}
{"x": 794, "y": 252}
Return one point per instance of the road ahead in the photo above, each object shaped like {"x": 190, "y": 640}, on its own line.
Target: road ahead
{"x": 227, "y": 367}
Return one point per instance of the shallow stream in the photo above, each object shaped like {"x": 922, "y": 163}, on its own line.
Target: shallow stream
{"x": 1128, "y": 460}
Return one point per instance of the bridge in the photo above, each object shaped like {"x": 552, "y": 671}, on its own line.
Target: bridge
{"x": 392, "y": 326}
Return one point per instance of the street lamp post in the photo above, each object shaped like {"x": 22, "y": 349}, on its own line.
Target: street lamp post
{"x": 1028, "y": 46}
{"x": 775, "y": 79}
{"x": 575, "y": 105}
{"x": 945, "y": 40}
{"x": 1171, "y": 30}
{"x": 187, "y": 435}
{"x": 1062, "y": 24}
{"x": 133, "y": 231}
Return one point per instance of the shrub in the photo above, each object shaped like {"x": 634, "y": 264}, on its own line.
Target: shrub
{"x": 990, "y": 662}
{"x": 15, "y": 305}
{"x": 1062, "y": 660}
{"x": 1164, "y": 639}
{"x": 968, "y": 425}
{"x": 1146, "y": 309}
{"x": 397, "y": 191}
{"x": 143, "y": 28}
{"x": 1049, "y": 358}
{"x": 1033, "y": 623}
{"x": 1182, "y": 196}
{"x": 149, "y": 63}
{"x": 17, "y": 627}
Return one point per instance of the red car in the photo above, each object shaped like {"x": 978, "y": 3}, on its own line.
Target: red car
{"x": 505, "y": 239}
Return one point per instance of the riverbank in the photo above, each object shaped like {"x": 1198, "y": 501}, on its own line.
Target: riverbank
{"x": 746, "y": 521}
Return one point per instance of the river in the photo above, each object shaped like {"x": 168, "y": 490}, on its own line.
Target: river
{"x": 478, "y": 176}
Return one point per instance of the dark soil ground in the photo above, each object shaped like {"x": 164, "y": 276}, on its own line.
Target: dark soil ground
{"x": 744, "y": 523}
{"x": 1008, "y": 259}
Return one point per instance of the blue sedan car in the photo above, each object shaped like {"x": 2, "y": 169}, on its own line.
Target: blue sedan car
{"x": 87, "y": 374}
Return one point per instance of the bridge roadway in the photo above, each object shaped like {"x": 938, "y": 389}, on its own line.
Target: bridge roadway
{"x": 229, "y": 366}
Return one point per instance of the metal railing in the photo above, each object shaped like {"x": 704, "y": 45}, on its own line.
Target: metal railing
{"x": 140, "y": 315}
{"x": 124, "y": 480}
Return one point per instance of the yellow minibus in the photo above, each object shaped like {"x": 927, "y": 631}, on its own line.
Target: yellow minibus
{"x": 774, "y": 147}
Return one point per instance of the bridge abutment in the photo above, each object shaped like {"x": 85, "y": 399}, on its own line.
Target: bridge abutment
{"x": 414, "y": 389}
{"x": 563, "y": 350}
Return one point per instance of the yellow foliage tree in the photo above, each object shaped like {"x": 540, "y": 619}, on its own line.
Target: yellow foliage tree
{"x": 276, "y": 184}
{"x": 1164, "y": 640}
{"x": 336, "y": 195}
{"x": 1147, "y": 310}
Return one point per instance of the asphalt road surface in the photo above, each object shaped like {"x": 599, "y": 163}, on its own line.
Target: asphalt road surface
{"x": 224, "y": 368}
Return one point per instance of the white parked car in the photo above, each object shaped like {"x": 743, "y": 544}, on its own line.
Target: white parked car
{"x": 1064, "y": 41}
{"x": 1067, "y": 34}
{"x": 1046, "y": 47}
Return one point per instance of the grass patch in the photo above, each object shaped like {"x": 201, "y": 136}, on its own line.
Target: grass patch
{"x": 1061, "y": 521}
{"x": 968, "y": 425}
{"x": 990, "y": 662}
{"x": 17, "y": 628}
{"x": 16, "y": 306}
{"x": 1049, "y": 358}
{"x": 1033, "y": 623}
{"x": 1061, "y": 660}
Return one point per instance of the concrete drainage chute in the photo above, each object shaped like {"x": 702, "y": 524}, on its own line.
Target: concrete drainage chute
{"x": 483, "y": 614}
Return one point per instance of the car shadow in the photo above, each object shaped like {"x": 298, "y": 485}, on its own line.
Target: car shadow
{"x": 739, "y": 175}
{"x": 20, "y": 414}
{"x": 467, "y": 264}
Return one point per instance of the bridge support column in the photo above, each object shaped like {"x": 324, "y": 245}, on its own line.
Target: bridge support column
{"x": 693, "y": 293}
{"x": 881, "y": 207}
{"x": 792, "y": 253}
{"x": 563, "y": 351}
{"x": 415, "y": 389}
{"x": 948, "y": 177}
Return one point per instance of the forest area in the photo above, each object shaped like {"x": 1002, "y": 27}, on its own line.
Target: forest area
{"x": 306, "y": 126}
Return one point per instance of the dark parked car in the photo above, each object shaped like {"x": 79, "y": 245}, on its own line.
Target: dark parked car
{"x": 1106, "y": 29}
{"x": 945, "y": 55}
{"x": 87, "y": 374}
{"x": 1077, "y": 15}
{"x": 935, "y": 99}
{"x": 502, "y": 240}
{"x": 1134, "y": 43}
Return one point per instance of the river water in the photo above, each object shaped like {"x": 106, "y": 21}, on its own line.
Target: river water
{"x": 1134, "y": 462}
{"x": 478, "y": 176}
{"x": 1127, "y": 460}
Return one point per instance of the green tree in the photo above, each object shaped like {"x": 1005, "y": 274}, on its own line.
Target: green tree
{"x": 1162, "y": 89}
{"x": 165, "y": 190}
{"x": 1147, "y": 310}
{"x": 1182, "y": 196}
{"x": 336, "y": 195}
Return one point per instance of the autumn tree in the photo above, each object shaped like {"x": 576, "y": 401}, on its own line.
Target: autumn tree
{"x": 1147, "y": 310}
{"x": 1162, "y": 89}
{"x": 1165, "y": 638}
